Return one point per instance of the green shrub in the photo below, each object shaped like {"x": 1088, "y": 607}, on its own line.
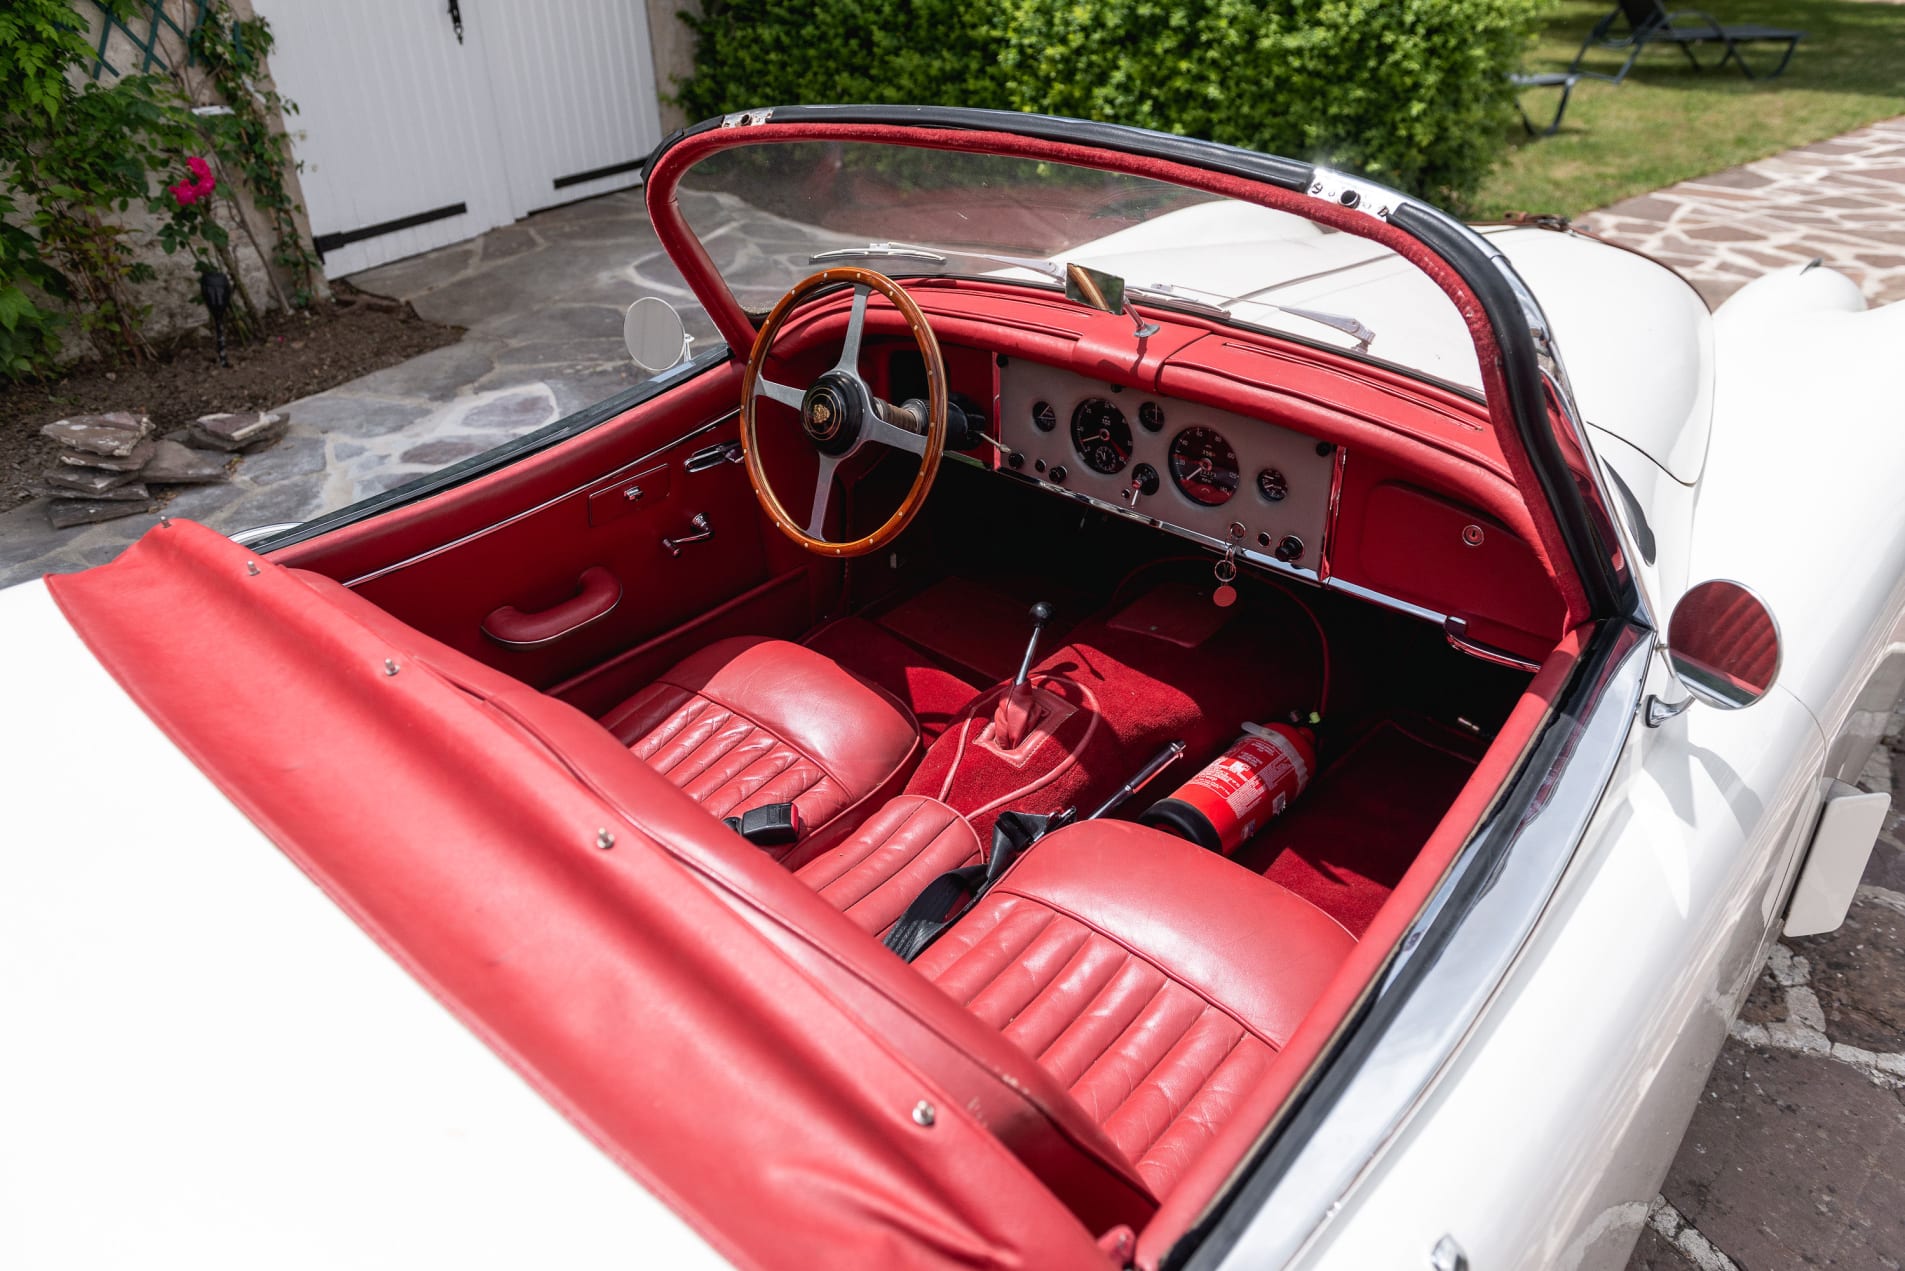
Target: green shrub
{"x": 1412, "y": 92}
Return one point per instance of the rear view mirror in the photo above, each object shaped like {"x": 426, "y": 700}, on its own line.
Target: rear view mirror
{"x": 654, "y": 334}
{"x": 1104, "y": 292}
{"x": 1723, "y": 647}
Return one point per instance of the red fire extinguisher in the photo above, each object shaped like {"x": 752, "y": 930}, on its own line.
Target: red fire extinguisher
{"x": 1238, "y": 793}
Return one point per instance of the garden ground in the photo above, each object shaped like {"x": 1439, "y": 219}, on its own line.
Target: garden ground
{"x": 1668, "y": 122}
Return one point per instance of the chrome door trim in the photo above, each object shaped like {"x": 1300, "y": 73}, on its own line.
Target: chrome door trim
{"x": 1447, "y": 967}
{"x": 570, "y": 493}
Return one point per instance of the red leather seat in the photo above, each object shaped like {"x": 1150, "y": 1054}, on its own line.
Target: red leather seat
{"x": 1155, "y": 980}
{"x": 873, "y": 876}
{"x": 750, "y": 721}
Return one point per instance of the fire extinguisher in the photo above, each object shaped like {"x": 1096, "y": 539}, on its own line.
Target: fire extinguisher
{"x": 1238, "y": 793}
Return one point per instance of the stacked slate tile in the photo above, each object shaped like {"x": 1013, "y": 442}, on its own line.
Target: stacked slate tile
{"x": 109, "y": 464}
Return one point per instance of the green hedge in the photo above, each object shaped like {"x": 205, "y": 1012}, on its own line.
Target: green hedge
{"x": 1411, "y": 92}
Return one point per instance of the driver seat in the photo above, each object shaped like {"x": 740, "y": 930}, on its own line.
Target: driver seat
{"x": 750, "y": 721}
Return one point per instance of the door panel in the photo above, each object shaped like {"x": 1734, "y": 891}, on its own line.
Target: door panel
{"x": 536, "y": 562}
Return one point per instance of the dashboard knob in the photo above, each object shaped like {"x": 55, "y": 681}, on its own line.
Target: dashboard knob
{"x": 1290, "y": 549}
{"x": 1057, "y": 473}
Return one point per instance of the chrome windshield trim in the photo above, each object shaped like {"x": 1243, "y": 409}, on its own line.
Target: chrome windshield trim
{"x": 1446, "y": 970}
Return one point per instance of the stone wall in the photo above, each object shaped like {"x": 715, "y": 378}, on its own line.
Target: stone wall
{"x": 672, "y": 49}
{"x": 173, "y": 292}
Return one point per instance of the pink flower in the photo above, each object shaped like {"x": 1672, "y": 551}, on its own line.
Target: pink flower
{"x": 201, "y": 171}
{"x": 185, "y": 192}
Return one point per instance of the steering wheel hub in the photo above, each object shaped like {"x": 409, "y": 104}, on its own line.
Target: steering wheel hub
{"x": 832, "y": 411}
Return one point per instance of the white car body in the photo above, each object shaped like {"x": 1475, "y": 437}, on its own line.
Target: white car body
{"x": 1755, "y": 450}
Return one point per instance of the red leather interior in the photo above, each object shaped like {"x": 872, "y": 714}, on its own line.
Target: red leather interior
{"x": 750, "y": 721}
{"x": 1155, "y": 980}
{"x": 597, "y": 594}
{"x": 874, "y": 875}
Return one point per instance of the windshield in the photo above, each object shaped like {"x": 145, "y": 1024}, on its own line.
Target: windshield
{"x": 769, "y": 215}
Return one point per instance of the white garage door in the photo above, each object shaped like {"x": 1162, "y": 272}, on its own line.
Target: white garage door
{"x": 412, "y": 139}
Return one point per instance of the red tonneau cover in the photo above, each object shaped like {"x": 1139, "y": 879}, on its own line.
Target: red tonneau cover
{"x": 676, "y": 1038}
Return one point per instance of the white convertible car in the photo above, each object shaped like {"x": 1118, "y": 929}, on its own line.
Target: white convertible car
{"x": 1204, "y": 715}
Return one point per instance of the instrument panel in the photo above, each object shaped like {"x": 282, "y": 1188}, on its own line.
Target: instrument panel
{"x": 1197, "y": 471}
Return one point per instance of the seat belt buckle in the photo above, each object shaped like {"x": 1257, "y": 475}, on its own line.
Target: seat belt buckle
{"x": 770, "y": 825}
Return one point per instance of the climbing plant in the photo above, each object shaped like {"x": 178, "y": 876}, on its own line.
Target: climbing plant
{"x": 76, "y": 156}
{"x": 79, "y": 157}
{"x": 233, "y": 51}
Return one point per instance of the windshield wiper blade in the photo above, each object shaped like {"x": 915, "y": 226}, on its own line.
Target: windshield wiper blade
{"x": 926, "y": 255}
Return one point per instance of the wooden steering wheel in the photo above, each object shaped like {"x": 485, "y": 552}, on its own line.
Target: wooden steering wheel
{"x": 841, "y": 416}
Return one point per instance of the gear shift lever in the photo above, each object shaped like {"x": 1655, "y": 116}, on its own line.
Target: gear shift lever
{"x": 1015, "y": 714}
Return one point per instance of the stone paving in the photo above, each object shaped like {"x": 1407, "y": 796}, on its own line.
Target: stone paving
{"x": 543, "y": 301}
{"x": 1841, "y": 201}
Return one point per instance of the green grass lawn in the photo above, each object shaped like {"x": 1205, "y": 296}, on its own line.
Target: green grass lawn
{"x": 1668, "y": 122}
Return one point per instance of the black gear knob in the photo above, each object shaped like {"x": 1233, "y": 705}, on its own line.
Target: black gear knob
{"x": 1041, "y": 614}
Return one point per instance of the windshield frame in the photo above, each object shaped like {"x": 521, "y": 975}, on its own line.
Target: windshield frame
{"x": 1522, "y": 373}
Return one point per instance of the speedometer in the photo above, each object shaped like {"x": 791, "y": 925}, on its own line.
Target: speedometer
{"x": 1101, "y": 436}
{"x": 1204, "y": 466}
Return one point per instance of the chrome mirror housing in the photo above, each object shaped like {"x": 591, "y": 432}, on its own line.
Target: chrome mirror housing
{"x": 1723, "y": 646}
{"x": 654, "y": 334}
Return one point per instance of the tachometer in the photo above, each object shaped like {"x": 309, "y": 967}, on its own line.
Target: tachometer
{"x": 1204, "y": 466}
{"x": 1101, "y": 436}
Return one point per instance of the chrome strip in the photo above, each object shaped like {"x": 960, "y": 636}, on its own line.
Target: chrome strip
{"x": 1389, "y": 602}
{"x": 1455, "y": 630}
{"x": 259, "y": 533}
{"x": 473, "y": 535}
{"x": 1516, "y": 883}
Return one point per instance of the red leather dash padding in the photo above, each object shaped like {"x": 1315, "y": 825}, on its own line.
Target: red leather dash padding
{"x": 677, "y": 1039}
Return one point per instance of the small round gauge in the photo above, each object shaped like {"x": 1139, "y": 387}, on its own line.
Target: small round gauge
{"x": 1272, "y": 486}
{"x": 1044, "y": 418}
{"x": 1101, "y": 436}
{"x": 1204, "y": 466}
{"x": 1151, "y": 415}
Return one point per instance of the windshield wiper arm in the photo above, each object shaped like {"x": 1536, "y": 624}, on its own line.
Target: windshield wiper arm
{"x": 926, "y": 255}
{"x": 1174, "y": 294}
{"x": 898, "y": 251}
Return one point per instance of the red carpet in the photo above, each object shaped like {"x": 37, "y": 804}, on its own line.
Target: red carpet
{"x": 971, "y": 625}
{"x": 934, "y": 696}
{"x": 1346, "y": 842}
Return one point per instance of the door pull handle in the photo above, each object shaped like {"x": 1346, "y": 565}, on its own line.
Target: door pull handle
{"x": 714, "y": 456}
{"x": 597, "y": 593}
{"x": 703, "y": 532}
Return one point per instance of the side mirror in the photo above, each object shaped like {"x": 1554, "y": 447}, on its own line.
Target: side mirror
{"x": 1723, "y": 647}
{"x": 654, "y": 334}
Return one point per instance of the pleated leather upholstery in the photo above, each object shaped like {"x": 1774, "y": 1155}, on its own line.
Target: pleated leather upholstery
{"x": 749, "y": 722}
{"x": 1154, "y": 980}
{"x": 874, "y": 875}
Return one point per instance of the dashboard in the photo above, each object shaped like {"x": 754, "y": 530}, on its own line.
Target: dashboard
{"x": 1205, "y": 474}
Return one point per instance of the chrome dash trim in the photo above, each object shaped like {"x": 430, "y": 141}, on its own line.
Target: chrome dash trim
{"x": 1449, "y": 965}
{"x": 570, "y": 493}
{"x": 1375, "y": 597}
{"x": 1338, "y": 472}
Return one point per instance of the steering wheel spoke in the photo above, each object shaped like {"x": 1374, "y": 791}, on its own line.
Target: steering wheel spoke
{"x": 785, "y": 394}
{"x": 823, "y": 496}
{"x": 856, "y": 324}
{"x": 877, "y": 429}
